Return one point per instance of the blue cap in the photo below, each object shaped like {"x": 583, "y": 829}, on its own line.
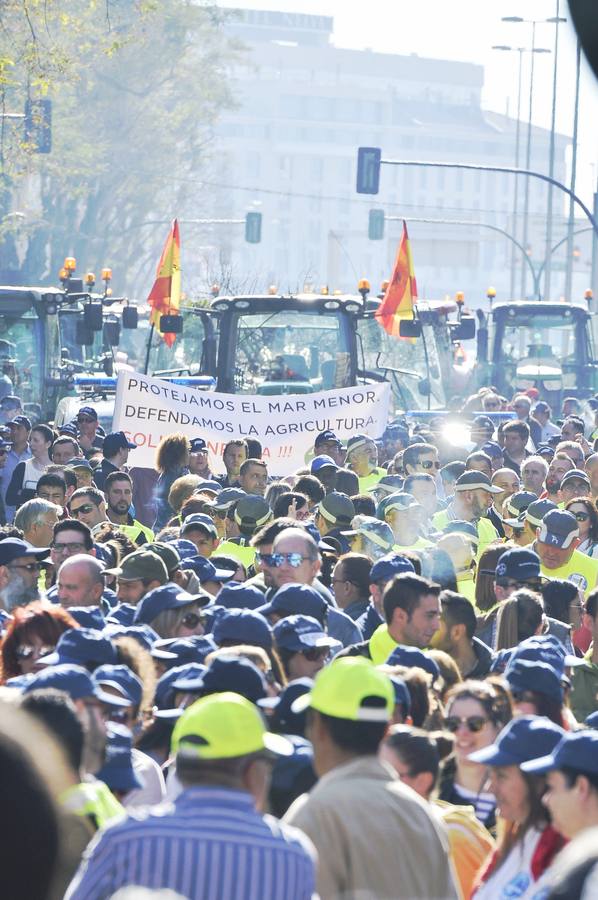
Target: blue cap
{"x": 322, "y": 462}
{"x": 548, "y": 649}
{"x": 501, "y": 660}
{"x": 577, "y": 750}
{"x": 87, "y": 616}
{"x": 199, "y": 521}
{"x": 74, "y": 681}
{"x": 122, "y": 679}
{"x": 243, "y": 626}
{"x": 492, "y": 449}
{"x": 558, "y": 528}
{"x": 592, "y": 720}
{"x": 284, "y": 720}
{"x": 115, "y": 441}
{"x": 178, "y": 651}
{"x": 240, "y": 596}
{"x": 168, "y": 596}
{"x": 227, "y": 673}
{"x": 21, "y": 420}
{"x": 82, "y": 647}
{"x": 413, "y": 656}
{"x": 208, "y": 485}
{"x": 206, "y": 570}
{"x": 518, "y": 564}
{"x": 78, "y": 462}
{"x": 88, "y": 411}
{"x": 197, "y": 445}
{"x": 298, "y": 599}
{"x": 402, "y": 695}
{"x": 297, "y": 633}
{"x": 12, "y": 548}
{"x": 324, "y": 436}
{"x": 123, "y": 614}
{"x": 388, "y": 566}
{"x": 537, "y": 677}
{"x": 165, "y": 690}
{"x": 143, "y": 634}
{"x": 118, "y": 772}
{"x": 185, "y": 549}
{"x": 519, "y": 741}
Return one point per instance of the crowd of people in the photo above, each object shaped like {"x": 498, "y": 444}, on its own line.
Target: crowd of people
{"x": 374, "y": 677}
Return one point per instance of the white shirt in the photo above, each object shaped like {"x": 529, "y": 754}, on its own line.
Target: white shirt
{"x": 513, "y": 880}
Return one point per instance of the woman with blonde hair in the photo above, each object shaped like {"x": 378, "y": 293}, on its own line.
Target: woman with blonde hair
{"x": 172, "y": 461}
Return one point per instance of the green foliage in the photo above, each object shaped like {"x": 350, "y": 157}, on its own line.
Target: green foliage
{"x": 136, "y": 87}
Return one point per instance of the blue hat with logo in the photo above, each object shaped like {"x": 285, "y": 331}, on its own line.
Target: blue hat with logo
{"x": 12, "y": 548}
{"x": 198, "y": 445}
{"x": 78, "y": 462}
{"x": 538, "y": 677}
{"x": 118, "y": 772}
{"x": 299, "y": 599}
{"x": 206, "y": 570}
{"x": 115, "y": 441}
{"x": 123, "y": 614}
{"x": 199, "y": 522}
{"x": 168, "y": 596}
{"x": 558, "y": 528}
{"x": 243, "y": 626}
{"x": 227, "y": 673}
{"x": 577, "y": 750}
{"x": 87, "y": 616}
{"x": 185, "y": 549}
{"x": 548, "y": 649}
{"x": 143, "y": 634}
{"x": 519, "y": 741}
{"x": 283, "y": 720}
{"x": 74, "y": 681}
{"x": 297, "y": 633}
{"x": 240, "y": 596}
{"x": 326, "y": 435}
{"x": 178, "y": 651}
{"x": 411, "y": 657}
{"x": 322, "y": 462}
{"x": 88, "y": 411}
{"x": 82, "y": 647}
{"x": 122, "y": 679}
{"x": 390, "y": 565}
{"x": 518, "y": 564}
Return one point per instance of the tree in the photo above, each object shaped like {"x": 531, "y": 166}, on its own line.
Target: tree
{"x": 136, "y": 88}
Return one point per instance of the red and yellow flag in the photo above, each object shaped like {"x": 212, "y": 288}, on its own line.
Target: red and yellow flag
{"x": 397, "y": 302}
{"x": 165, "y": 295}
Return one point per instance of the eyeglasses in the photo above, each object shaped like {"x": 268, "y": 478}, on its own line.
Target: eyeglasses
{"x": 29, "y": 567}
{"x": 191, "y": 620}
{"x": 581, "y": 516}
{"x": 313, "y": 654}
{"x": 278, "y": 559}
{"x": 26, "y": 651}
{"x": 84, "y": 509}
{"x": 430, "y": 464}
{"x": 72, "y": 547}
{"x": 472, "y": 723}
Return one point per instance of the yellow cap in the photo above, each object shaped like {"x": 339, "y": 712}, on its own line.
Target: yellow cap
{"x": 341, "y": 689}
{"x": 222, "y": 726}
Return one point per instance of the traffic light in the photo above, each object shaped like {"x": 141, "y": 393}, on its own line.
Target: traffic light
{"x": 253, "y": 227}
{"x": 376, "y": 225}
{"x": 38, "y": 125}
{"x": 368, "y": 170}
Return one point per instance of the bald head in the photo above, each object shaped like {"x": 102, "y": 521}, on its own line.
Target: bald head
{"x": 508, "y": 481}
{"x": 80, "y": 581}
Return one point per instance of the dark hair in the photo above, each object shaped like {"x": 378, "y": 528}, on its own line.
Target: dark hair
{"x": 358, "y": 738}
{"x": 284, "y": 501}
{"x": 51, "y": 480}
{"x": 254, "y": 448}
{"x": 417, "y": 682}
{"x": 452, "y": 471}
{"x": 577, "y": 422}
{"x": 75, "y": 525}
{"x": 56, "y": 711}
{"x": 591, "y": 510}
{"x": 311, "y": 487}
{"x": 417, "y": 478}
{"x": 357, "y": 568}
{"x": 538, "y": 817}
{"x": 237, "y": 442}
{"x": 116, "y": 476}
{"x": 405, "y": 592}
{"x": 61, "y": 441}
{"x": 485, "y": 598}
{"x": 172, "y": 452}
{"x": 69, "y": 478}
{"x": 364, "y": 505}
{"x": 346, "y": 482}
{"x": 270, "y": 531}
{"x": 414, "y": 452}
{"x": 549, "y": 707}
{"x": 420, "y": 751}
{"x": 518, "y": 618}
{"x": 558, "y": 595}
{"x": 492, "y": 697}
{"x": 571, "y": 776}
{"x": 92, "y": 493}
{"x": 477, "y": 456}
{"x": 45, "y": 431}
{"x": 520, "y": 428}
{"x": 458, "y": 610}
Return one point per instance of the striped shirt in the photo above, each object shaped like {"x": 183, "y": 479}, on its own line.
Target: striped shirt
{"x": 211, "y": 844}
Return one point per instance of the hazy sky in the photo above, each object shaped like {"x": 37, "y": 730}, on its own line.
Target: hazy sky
{"x": 466, "y": 30}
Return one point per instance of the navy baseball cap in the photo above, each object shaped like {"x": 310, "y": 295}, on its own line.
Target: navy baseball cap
{"x": 518, "y": 564}
{"x": 143, "y": 634}
{"x": 472, "y": 480}
{"x": 88, "y": 616}
{"x": 402, "y": 695}
{"x": 179, "y": 651}
{"x": 300, "y": 599}
{"x": 411, "y": 657}
{"x": 165, "y": 690}
{"x": 228, "y": 497}
{"x": 123, "y": 614}
{"x": 197, "y": 445}
{"x": 82, "y": 647}
{"x": 297, "y": 633}
{"x": 88, "y": 411}
{"x": 74, "y": 681}
{"x": 122, "y": 679}
{"x": 240, "y": 596}
{"x": 577, "y": 750}
{"x": 520, "y": 741}
{"x": 185, "y": 549}
{"x": 460, "y": 526}
{"x": 118, "y": 772}
{"x": 201, "y": 522}
{"x": 12, "y": 548}
{"x": 227, "y": 673}
{"x": 575, "y": 475}
{"x": 559, "y": 529}
{"x": 168, "y": 596}
{"x": 68, "y": 429}
{"x": 326, "y": 435}
{"x": 546, "y": 648}
{"x": 206, "y": 570}
{"x": 243, "y": 626}
{"x": 322, "y": 462}
{"x": 21, "y": 420}
{"x": 115, "y": 441}
{"x": 539, "y": 677}
{"x": 78, "y": 462}
{"x": 388, "y": 566}
{"x": 515, "y": 507}
{"x": 492, "y": 449}
{"x": 283, "y": 720}
{"x": 208, "y": 485}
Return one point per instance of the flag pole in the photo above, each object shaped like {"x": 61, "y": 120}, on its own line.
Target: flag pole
{"x": 149, "y": 347}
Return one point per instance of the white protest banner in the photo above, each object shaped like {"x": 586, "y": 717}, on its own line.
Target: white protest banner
{"x": 147, "y": 409}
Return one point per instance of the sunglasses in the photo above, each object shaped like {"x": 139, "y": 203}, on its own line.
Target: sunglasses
{"x": 313, "y": 654}
{"x": 472, "y": 723}
{"x": 428, "y": 464}
{"x": 84, "y": 509}
{"x": 191, "y": 620}
{"x": 581, "y": 516}
{"x": 26, "y": 651}
{"x": 278, "y": 559}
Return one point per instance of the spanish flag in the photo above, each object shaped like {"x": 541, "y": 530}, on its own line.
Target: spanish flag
{"x": 401, "y": 292}
{"x": 165, "y": 295}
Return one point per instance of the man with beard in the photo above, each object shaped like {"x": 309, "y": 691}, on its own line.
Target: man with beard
{"x": 473, "y": 495}
{"x": 20, "y": 565}
{"x": 558, "y": 468}
{"x": 118, "y": 489}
